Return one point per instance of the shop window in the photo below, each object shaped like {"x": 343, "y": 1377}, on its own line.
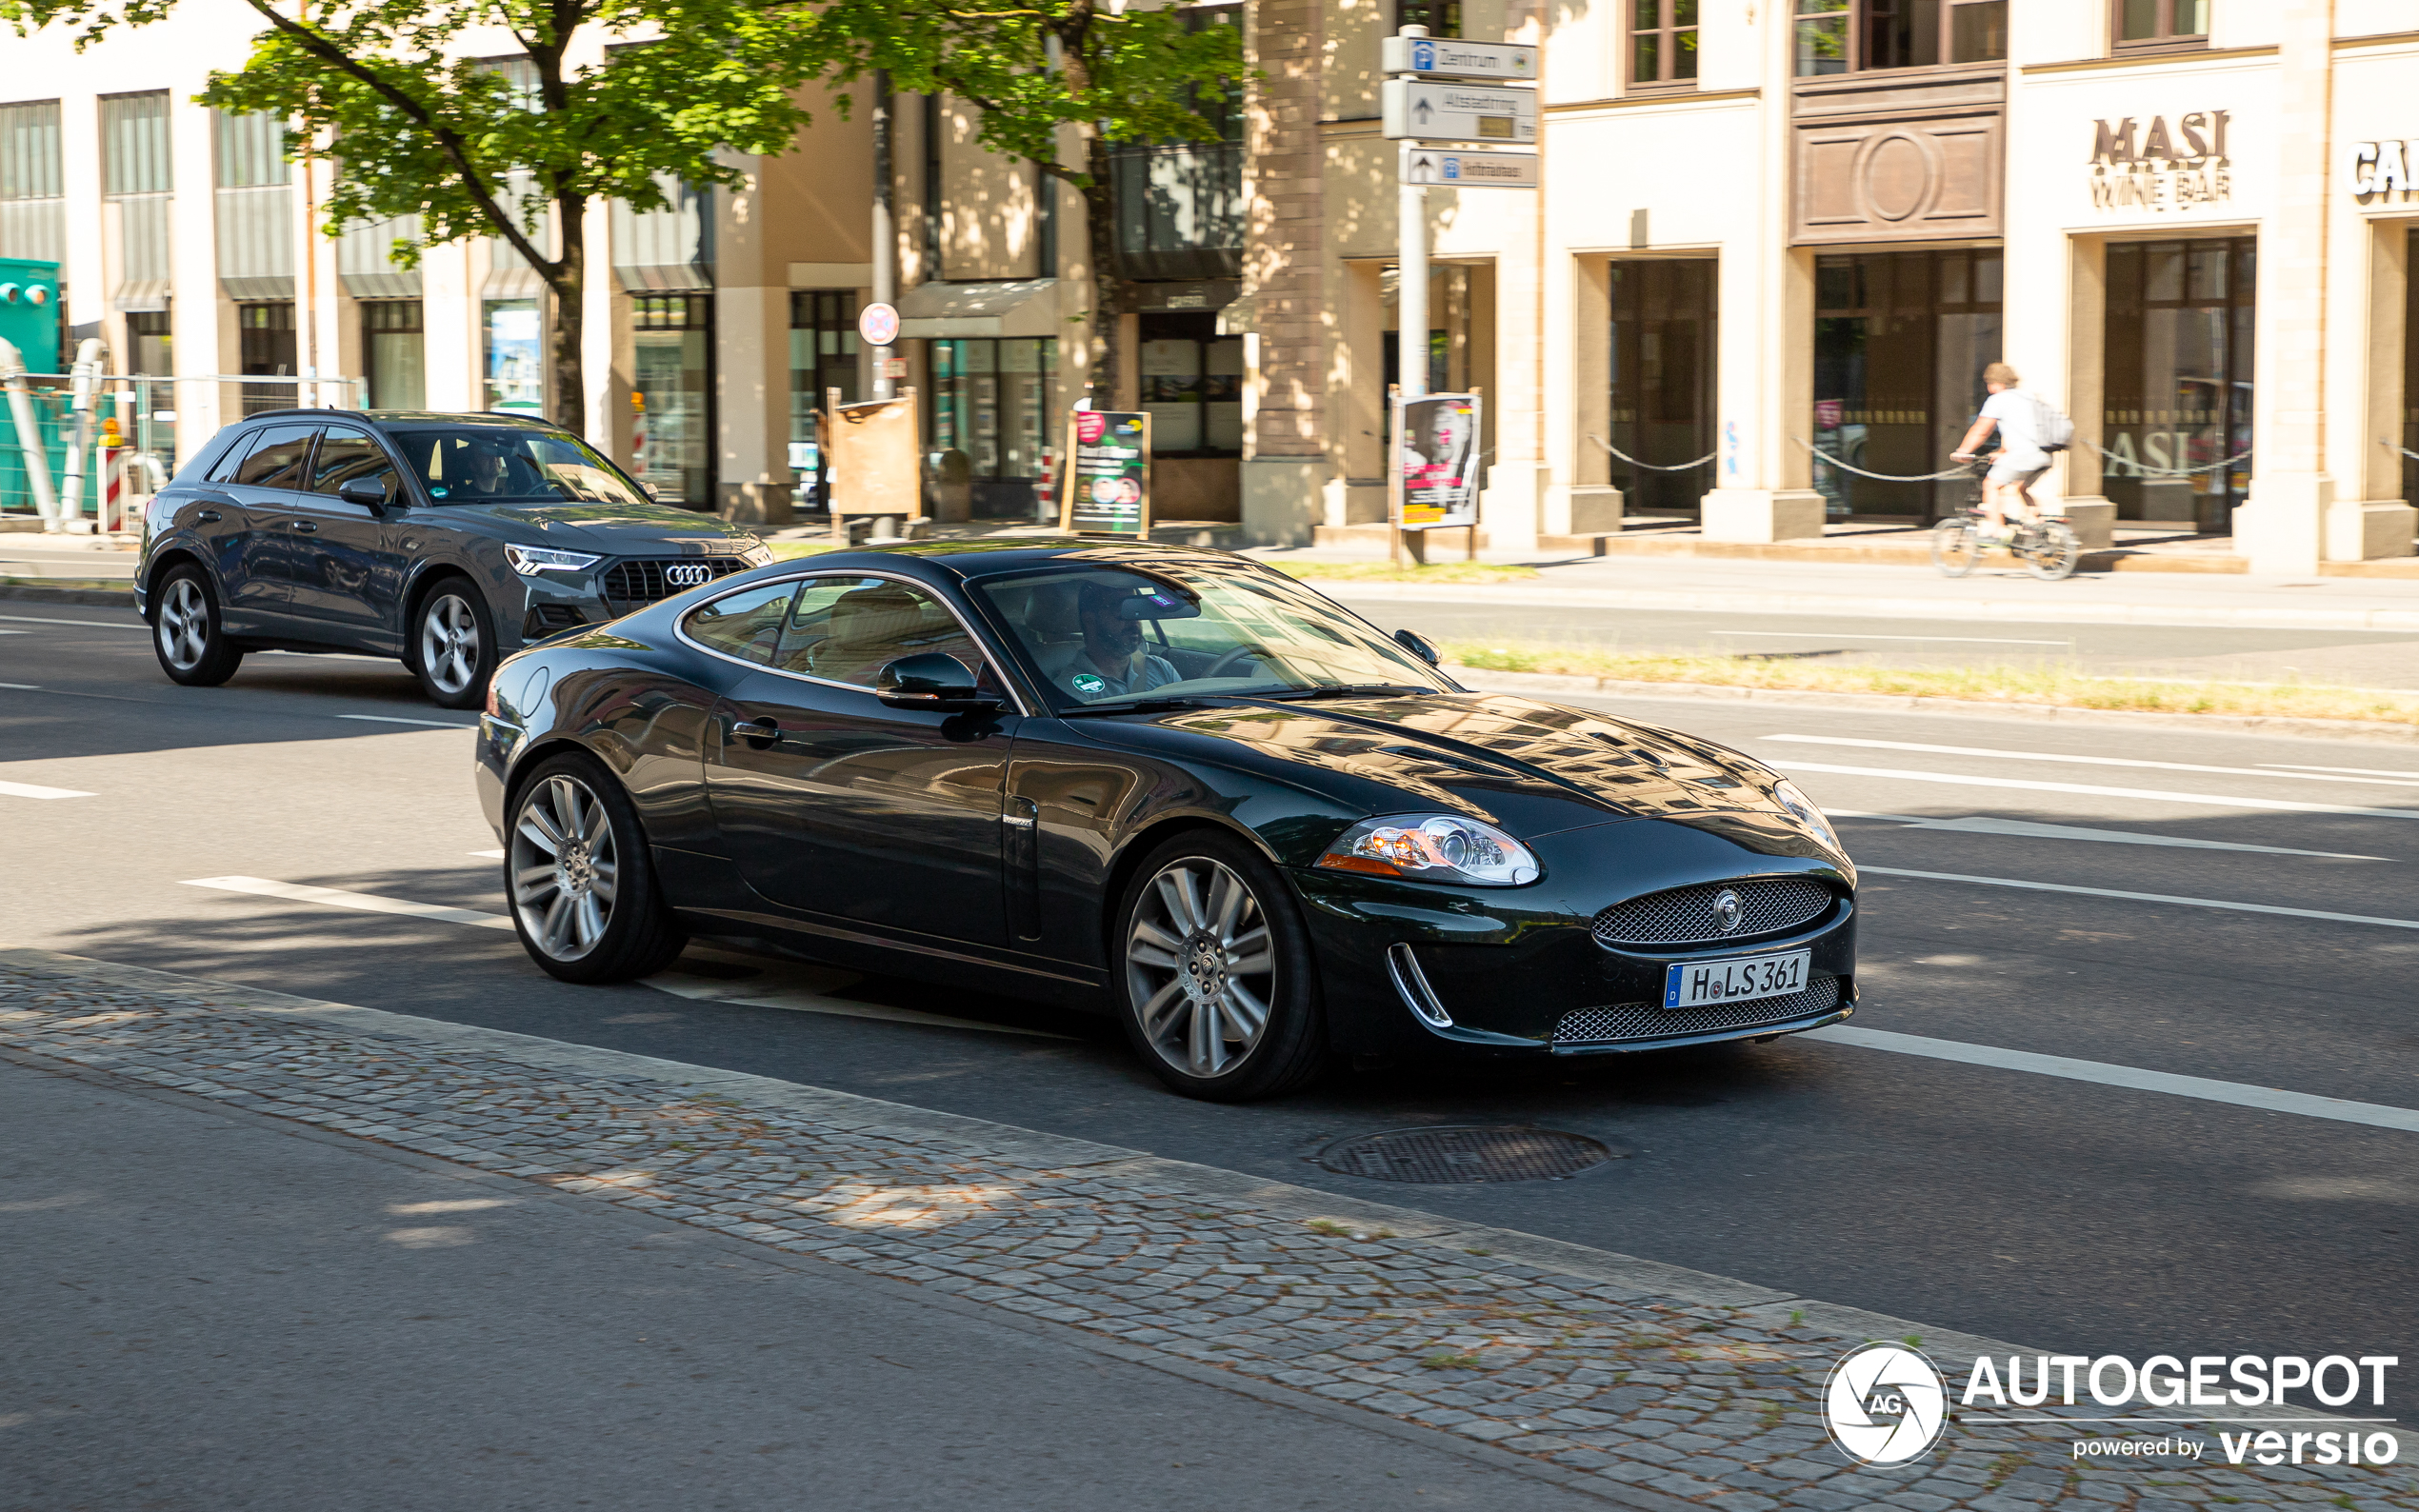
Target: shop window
{"x": 155, "y": 345}
{"x": 991, "y": 401}
{"x": 1442, "y": 18}
{"x": 515, "y": 362}
{"x": 671, "y": 396}
{"x": 2160, "y": 23}
{"x": 823, "y": 356}
{"x": 1900, "y": 343}
{"x": 1191, "y": 386}
{"x": 265, "y": 344}
{"x": 1849, "y": 36}
{"x": 391, "y": 355}
{"x": 2178, "y": 390}
{"x": 1663, "y": 42}
{"x": 1661, "y": 363}
{"x": 2411, "y": 375}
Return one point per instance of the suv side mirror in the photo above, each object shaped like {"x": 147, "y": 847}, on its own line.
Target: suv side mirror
{"x": 1417, "y": 647}
{"x": 930, "y": 680}
{"x": 368, "y": 492}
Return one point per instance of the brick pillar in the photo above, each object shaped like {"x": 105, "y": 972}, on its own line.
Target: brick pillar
{"x": 1286, "y": 468}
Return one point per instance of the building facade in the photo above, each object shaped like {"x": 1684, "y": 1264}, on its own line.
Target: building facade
{"x": 1775, "y": 246}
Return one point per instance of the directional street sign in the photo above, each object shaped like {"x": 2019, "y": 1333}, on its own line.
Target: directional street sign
{"x": 1451, "y": 168}
{"x": 1459, "y": 112}
{"x": 1448, "y": 58}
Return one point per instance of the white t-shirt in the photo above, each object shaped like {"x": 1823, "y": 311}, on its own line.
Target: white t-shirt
{"x": 2019, "y": 420}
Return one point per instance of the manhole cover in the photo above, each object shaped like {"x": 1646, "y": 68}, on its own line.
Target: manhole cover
{"x": 1465, "y": 1153}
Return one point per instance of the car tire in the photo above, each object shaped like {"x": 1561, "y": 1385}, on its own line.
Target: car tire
{"x": 188, "y": 634}
{"x": 452, "y": 645}
{"x": 585, "y": 899}
{"x": 1212, "y": 972}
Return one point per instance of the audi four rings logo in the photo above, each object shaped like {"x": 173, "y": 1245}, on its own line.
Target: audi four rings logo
{"x": 1884, "y": 1404}
{"x": 1726, "y": 909}
{"x": 688, "y": 574}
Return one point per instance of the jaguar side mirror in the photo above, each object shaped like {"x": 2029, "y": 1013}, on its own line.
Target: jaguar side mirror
{"x": 368, "y": 492}
{"x": 1418, "y": 647}
{"x": 930, "y": 680}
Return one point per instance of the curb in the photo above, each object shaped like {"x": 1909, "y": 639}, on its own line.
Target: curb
{"x": 101, "y": 598}
{"x": 1550, "y": 683}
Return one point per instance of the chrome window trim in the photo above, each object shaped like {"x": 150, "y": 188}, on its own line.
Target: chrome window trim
{"x": 680, "y": 632}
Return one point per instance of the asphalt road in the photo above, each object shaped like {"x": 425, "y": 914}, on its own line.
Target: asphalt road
{"x": 2063, "y": 1214}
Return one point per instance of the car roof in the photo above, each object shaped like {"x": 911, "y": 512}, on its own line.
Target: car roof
{"x": 493, "y": 418}
{"x": 993, "y": 556}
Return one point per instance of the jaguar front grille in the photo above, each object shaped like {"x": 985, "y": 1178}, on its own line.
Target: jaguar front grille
{"x": 1628, "y": 1021}
{"x": 1694, "y": 915}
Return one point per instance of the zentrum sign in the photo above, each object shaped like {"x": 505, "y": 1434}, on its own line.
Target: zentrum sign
{"x": 2156, "y": 166}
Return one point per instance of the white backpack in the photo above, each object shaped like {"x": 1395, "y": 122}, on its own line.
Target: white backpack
{"x": 2050, "y": 424}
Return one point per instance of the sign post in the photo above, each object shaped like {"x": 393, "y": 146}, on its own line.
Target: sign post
{"x": 1426, "y": 488}
{"x": 1107, "y": 486}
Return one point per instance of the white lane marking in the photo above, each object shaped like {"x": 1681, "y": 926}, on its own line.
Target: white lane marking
{"x": 2148, "y": 897}
{"x": 2364, "y": 771}
{"x": 2086, "y": 761}
{"x": 1962, "y": 640}
{"x": 24, "y": 687}
{"x": 2145, "y": 794}
{"x": 497, "y": 855}
{"x": 87, "y": 624}
{"x": 338, "y": 898}
{"x": 2273, "y": 1099}
{"x": 389, "y": 719}
{"x": 2026, "y": 828}
{"x": 36, "y": 791}
{"x": 15, "y": 633}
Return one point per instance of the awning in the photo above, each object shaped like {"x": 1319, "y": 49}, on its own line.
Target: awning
{"x": 140, "y": 297}
{"x": 363, "y": 267}
{"x": 1017, "y": 307}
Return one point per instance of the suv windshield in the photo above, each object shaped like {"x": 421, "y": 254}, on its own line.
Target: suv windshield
{"x": 499, "y": 464}
{"x": 1105, "y": 635}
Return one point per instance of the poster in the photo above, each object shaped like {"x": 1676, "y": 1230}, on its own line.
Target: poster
{"x": 1108, "y": 487}
{"x": 874, "y": 462}
{"x": 1435, "y": 475}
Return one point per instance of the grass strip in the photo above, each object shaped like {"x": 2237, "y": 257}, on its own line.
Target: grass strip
{"x": 1388, "y": 572}
{"x": 784, "y": 550}
{"x": 1987, "y": 685}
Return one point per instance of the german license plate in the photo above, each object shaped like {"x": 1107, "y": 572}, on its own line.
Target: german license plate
{"x": 1742, "y": 978}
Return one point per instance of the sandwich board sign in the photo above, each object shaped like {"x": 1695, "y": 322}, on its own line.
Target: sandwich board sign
{"x": 1107, "y": 490}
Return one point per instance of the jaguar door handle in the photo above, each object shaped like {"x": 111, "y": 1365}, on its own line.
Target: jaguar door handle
{"x": 207, "y": 517}
{"x": 306, "y": 526}
{"x": 763, "y": 734}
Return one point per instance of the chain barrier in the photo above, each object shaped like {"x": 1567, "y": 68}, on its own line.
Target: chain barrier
{"x": 2137, "y": 470}
{"x": 1885, "y": 477}
{"x": 1651, "y": 466}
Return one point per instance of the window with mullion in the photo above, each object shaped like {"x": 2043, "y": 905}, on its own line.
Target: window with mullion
{"x": 2157, "y": 23}
{"x": 1663, "y": 42}
{"x": 1851, "y": 36}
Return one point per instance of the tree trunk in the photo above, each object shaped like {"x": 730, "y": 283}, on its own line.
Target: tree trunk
{"x": 1109, "y": 289}
{"x": 568, "y": 375}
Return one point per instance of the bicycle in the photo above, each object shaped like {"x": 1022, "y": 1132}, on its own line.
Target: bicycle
{"x": 2048, "y": 549}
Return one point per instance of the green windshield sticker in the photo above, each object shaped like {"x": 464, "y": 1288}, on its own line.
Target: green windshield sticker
{"x": 1086, "y": 682}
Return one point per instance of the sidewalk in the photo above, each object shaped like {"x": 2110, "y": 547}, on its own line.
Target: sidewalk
{"x": 1572, "y": 1369}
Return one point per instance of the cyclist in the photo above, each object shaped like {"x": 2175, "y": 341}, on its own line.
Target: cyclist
{"x": 2021, "y": 460}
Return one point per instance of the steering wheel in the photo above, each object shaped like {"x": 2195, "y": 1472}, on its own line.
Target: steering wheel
{"x": 1218, "y": 669}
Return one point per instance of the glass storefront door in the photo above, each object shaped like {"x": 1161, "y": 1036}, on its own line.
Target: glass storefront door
{"x": 671, "y": 396}
{"x": 2179, "y": 381}
{"x": 991, "y": 401}
{"x": 2411, "y": 375}
{"x": 1661, "y": 366}
{"x": 823, "y": 356}
{"x": 264, "y": 343}
{"x": 1900, "y": 343}
{"x": 516, "y": 341}
{"x": 1191, "y": 386}
{"x": 392, "y": 359}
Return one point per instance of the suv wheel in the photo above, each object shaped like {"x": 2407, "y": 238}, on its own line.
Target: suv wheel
{"x": 454, "y": 644}
{"x": 186, "y": 633}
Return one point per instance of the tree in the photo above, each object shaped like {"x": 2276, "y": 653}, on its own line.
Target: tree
{"x": 1032, "y": 66}
{"x": 418, "y": 129}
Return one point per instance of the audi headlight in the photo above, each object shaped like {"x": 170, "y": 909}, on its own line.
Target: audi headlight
{"x": 1433, "y": 847}
{"x": 530, "y": 561}
{"x": 1808, "y": 814}
{"x": 757, "y": 556}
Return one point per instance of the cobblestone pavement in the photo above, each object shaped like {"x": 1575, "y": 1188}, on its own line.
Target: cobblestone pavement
{"x": 1656, "y": 1387}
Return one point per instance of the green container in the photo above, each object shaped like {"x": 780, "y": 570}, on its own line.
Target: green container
{"x": 29, "y": 313}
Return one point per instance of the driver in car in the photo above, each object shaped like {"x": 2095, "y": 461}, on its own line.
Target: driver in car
{"x": 1110, "y": 659}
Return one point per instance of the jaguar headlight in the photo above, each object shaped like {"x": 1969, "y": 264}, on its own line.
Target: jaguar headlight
{"x": 530, "y": 561}
{"x": 1786, "y": 793}
{"x": 1433, "y": 847}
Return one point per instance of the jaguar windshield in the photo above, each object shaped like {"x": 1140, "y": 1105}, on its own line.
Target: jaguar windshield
{"x": 506, "y": 464}
{"x": 1102, "y": 635}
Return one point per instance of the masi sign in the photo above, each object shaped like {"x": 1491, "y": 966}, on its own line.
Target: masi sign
{"x": 2160, "y": 167}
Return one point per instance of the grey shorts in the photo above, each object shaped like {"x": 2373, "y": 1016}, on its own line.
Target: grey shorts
{"x": 2021, "y": 477}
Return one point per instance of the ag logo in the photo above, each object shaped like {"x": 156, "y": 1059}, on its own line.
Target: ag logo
{"x": 1884, "y": 1404}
